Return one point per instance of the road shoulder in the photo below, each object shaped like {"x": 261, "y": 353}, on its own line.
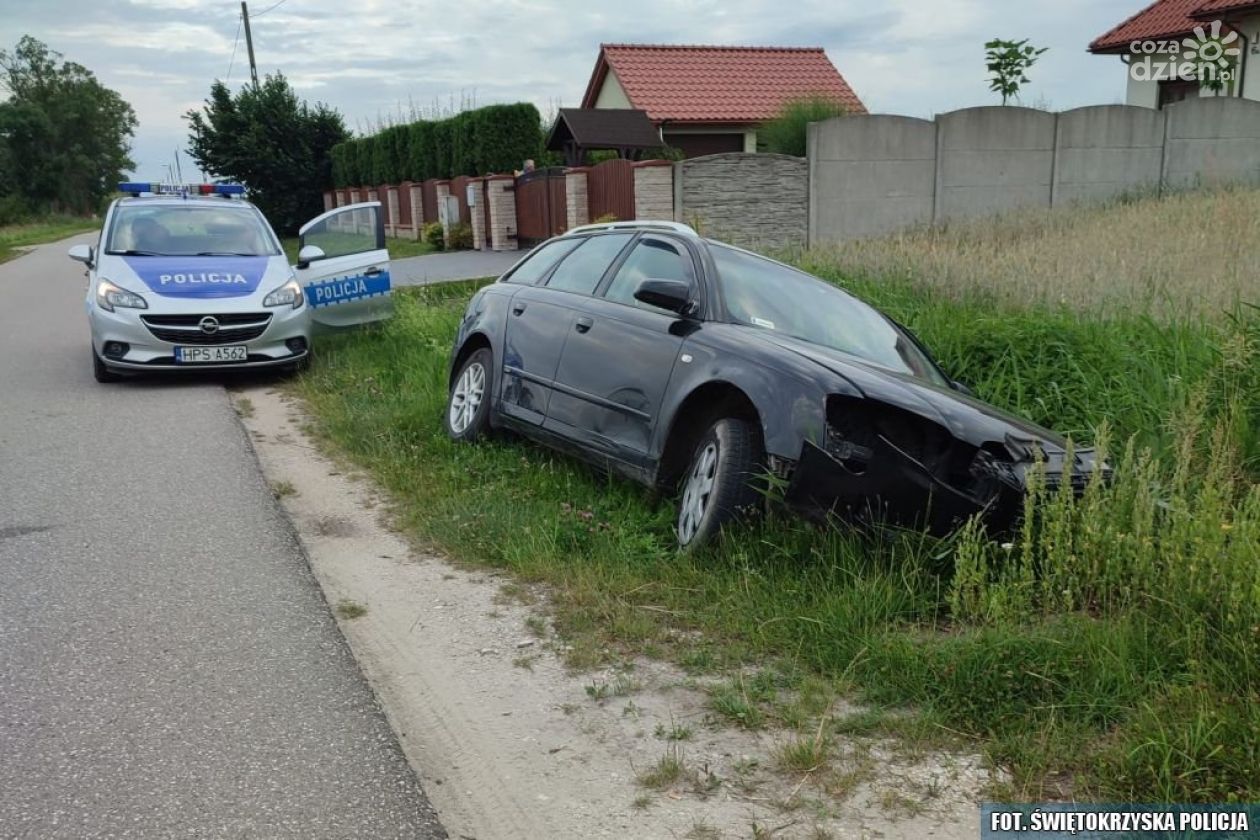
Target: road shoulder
{"x": 508, "y": 743}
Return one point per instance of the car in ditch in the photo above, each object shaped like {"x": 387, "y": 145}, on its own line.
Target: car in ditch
{"x": 699, "y": 368}
{"x": 193, "y": 277}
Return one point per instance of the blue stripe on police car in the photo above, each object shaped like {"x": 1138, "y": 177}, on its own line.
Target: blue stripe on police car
{"x": 346, "y": 289}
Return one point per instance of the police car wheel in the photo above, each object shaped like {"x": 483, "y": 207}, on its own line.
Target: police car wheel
{"x": 468, "y": 406}
{"x": 102, "y": 373}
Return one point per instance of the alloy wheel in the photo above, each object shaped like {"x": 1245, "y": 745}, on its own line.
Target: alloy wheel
{"x": 466, "y": 398}
{"x": 696, "y": 493}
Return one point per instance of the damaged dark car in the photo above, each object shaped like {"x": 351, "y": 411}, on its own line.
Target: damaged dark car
{"x": 699, "y": 369}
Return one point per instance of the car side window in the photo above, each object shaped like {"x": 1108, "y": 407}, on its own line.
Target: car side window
{"x": 541, "y": 260}
{"x": 344, "y": 233}
{"x": 657, "y": 259}
{"x": 584, "y": 267}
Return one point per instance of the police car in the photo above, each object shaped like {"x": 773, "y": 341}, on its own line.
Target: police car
{"x": 194, "y": 277}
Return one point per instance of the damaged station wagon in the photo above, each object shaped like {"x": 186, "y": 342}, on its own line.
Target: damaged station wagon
{"x": 698, "y": 368}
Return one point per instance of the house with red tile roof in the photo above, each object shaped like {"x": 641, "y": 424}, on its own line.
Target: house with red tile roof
{"x": 710, "y": 99}
{"x": 1170, "y": 45}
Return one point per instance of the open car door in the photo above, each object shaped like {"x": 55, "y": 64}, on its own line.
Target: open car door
{"x": 345, "y": 275}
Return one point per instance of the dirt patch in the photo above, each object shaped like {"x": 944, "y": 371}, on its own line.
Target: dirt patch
{"x": 509, "y": 744}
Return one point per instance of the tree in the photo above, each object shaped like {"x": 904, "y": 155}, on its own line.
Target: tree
{"x": 786, "y": 133}
{"x": 64, "y": 137}
{"x": 1008, "y": 63}
{"x": 275, "y": 144}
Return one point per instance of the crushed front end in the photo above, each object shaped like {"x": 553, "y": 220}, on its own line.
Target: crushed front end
{"x": 882, "y": 462}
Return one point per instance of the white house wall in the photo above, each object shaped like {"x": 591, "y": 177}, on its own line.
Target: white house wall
{"x": 611, "y": 93}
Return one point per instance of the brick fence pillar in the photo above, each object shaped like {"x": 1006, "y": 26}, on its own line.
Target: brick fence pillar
{"x": 501, "y": 198}
{"x": 576, "y": 200}
{"x": 416, "y": 197}
{"x": 654, "y": 190}
{"x": 392, "y": 226}
{"x": 477, "y": 210}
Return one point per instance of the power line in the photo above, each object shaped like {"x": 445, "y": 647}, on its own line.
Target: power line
{"x": 269, "y": 8}
{"x": 235, "y": 41}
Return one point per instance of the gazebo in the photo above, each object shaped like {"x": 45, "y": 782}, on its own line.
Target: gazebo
{"x": 626, "y": 131}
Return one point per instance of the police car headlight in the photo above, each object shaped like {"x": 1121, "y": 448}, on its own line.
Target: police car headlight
{"x": 109, "y": 296}
{"x": 290, "y": 294}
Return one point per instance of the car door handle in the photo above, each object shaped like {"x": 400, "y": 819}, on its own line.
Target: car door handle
{"x": 583, "y": 324}
{"x": 518, "y": 309}
{"x": 373, "y": 272}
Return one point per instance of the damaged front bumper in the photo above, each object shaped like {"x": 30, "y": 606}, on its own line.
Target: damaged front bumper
{"x": 883, "y": 482}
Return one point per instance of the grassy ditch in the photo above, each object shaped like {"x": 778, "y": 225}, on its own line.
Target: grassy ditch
{"x": 38, "y": 231}
{"x": 1112, "y": 650}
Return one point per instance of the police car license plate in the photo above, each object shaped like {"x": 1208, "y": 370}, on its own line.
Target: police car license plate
{"x": 210, "y": 355}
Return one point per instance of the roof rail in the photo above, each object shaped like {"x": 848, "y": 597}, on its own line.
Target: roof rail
{"x": 636, "y": 224}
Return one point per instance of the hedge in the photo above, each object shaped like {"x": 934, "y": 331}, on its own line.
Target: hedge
{"x": 496, "y": 138}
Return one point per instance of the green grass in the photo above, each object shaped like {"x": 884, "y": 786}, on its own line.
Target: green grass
{"x": 1112, "y": 651}
{"x": 36, "y": 232}
{"x": 399, "y": 248}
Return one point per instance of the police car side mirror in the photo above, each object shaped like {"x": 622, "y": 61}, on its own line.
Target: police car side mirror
{"x": 81, "y": 253}
{"x": 308, "y": 255}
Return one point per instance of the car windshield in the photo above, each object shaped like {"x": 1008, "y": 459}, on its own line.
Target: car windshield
{"x": 188, "y": 229}
{"x": 763, "y": 293}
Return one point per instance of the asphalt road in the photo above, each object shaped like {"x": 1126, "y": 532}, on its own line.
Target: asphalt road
{"x": 451, "y": 265}
{"x": 168, "y": 666}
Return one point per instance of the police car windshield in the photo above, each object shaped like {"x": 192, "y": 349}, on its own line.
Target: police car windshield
{"x": 188, "y": 229}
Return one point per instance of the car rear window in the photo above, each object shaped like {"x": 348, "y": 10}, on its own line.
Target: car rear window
{"x": 584, "y": 267}
{"x": 189, "y": 229}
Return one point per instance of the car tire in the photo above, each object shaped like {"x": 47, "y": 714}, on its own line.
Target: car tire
{"x": 719, "y": 486}
{"x": 100, "y": 372}
{"x": 468, "y": 403}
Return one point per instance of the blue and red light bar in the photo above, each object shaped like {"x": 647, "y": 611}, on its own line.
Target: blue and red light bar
{"x": 135, "y": 188}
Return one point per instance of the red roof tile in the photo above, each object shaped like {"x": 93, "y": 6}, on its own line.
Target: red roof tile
{"x": 1161, "y": 19}
{"x": 1214, "y": 9}
{"x": 718, "y": 84}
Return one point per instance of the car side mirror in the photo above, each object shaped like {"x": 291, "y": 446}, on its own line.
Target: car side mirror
{"x": 961, "y": 388}
{"x": 309, "y": 254}
{"x": 673, "y": 295}
{"x": 81, "y": 253}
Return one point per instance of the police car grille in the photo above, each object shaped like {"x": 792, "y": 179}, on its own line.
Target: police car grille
{"x": 186, "y": 329}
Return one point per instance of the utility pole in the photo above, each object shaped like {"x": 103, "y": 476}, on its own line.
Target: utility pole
{"x": 249, "y": 44}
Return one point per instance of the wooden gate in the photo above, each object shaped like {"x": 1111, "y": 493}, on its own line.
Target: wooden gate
{"x": 610, "y": 190}
{"x": 428, "y": 200}
{"x": 540, "y": 206}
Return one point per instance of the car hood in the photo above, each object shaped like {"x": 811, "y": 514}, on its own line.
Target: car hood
{"x": 967, "y": 418}
{"x": 197, "y": 278}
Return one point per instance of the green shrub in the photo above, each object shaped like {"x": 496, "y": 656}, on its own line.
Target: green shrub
{"x": 433, "y": 235}
{"x": 497, "y": 138}
{"x": 786, "y": 133}
{"x": 461, "y": 236}
{"x": 13, "y": 210}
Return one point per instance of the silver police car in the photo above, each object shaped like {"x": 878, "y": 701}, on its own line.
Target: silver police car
{"x": 194, "y": 277}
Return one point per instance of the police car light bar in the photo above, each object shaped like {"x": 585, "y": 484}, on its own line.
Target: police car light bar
{"x": 136, "y": 189}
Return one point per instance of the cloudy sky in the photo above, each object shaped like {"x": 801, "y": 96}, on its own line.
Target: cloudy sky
{"x": 372, "y": 59}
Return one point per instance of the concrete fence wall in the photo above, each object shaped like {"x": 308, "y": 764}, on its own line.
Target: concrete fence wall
{"x": 879, "y": 174}
{"x": 871, "y": 176}
{"x": 745, "y": 199}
